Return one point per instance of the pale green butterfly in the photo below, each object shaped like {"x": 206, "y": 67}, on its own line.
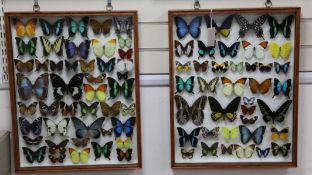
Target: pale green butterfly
{"x": 108, "y": 49}
{"x": 239, "y": 67}
{"x": 124, "y": 42}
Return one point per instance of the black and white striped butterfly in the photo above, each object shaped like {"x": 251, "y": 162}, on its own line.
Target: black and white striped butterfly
{"x": 246, "y": 26}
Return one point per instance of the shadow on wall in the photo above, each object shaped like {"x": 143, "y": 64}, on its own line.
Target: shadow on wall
{"x": 232, "y": 172}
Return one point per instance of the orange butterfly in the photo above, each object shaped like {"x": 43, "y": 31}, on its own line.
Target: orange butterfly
{"x": 262, "y": 88}
{"x": 28, "y": 29}
{"x": 91, "y": 93}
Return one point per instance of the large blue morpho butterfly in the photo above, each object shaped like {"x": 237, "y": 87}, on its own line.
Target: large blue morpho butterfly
{"x": 81, "y": 26}
{"x": 225, "y": 50}
{"x": 256, "y": 135}
{"x": 280, "y": 87}
{"x": 188, "y": 85}
{"x": 281, "y": 68}
{"x": 265, "y": 152}
{"x": 49, "y": 29}
{"x": 34, "y": 127}
{"x": 82, "y": 49}
{"x": 32, "y": 156}
{"x": 126, "y": 127}
{"x": 92, "y": 131}
{"x": 185, "y": 137}
{"x": 106, "y": 66}
{"x": 183, "y": 29}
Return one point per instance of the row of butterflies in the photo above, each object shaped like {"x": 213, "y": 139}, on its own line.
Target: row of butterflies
{"x": 234, "y": 87}
{"x": 250, "y": 50}
{"x": 194, "y": 27}
{"x": 121, "y": 25}
{"x": 234, "y": 67}
{"x": 195, "y": 112}
{"x": 124, "y": 67}
{"x": 108, "y": 49}
{"x": 26, "y": 89}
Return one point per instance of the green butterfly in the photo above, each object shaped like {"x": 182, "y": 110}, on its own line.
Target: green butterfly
{"x": 115, "y": 88}
{"x": 239, "y": 67}
{"x": 81, "y": 26}
{"x": 98, "y": 150}
{"x": 212, "y": 150}
{"x": 86, "y": 109}
{"x": 22, "y": 47}
{"x": 188, "y": 85}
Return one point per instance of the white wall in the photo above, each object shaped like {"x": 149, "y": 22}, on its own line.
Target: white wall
{"x": 153, "y": 43}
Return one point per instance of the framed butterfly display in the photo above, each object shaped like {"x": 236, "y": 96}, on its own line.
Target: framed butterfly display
{"x": 234, "y": 87}
{"x": 74, "y": 83}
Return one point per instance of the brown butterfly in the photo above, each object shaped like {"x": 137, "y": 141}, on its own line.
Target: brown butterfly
{"x": 108, "y": 132}
{"x": 68, "y": 109}
{"x": 26, "y": 66}
{"x": 87, "y": 67}
{"x": 81, "y": 142}
{"x": 110, "y": 111}
{"x": 26, "y": 89}
{"x": 27, "y": 110}
{"x": 203, "y": 67}
{"x": 91, "y": 79}
{"x": 103, "y": 27}
{"x": 44, "y": 65}
{"x": 262, "y": 88}
{"x": 124, "y": 155}
{"x": 187, "y": 154}
{"x": 49, "y": 110}
{"x": 34, "y": 141}
{"x": 56, "y": 66}
{"x": 186, "y": 50}
{"x": 265, "y": 68}
{"x": 228, "y": 149}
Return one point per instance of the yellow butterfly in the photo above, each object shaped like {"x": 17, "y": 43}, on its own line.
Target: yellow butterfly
{"x": 280, "y": 51}
{"x": 91, "y": 93}
{"x": 230, "y": 133}
{"x": 127, "y": 110}
{"x": 120, "y": 143}
{"x": 183, "y": 67}
{"x": 79, "y": 156}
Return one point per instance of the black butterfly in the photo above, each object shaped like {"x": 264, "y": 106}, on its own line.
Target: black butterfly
{"x": 251, "y": 67}
{"x": 203, "y": 49}
{"x": 218, "y": 112}
{"x": 34, "y": 127}
{"x": 49, "y": 110}
{"x": 124, "y": 75}
{"x": 57, "y": 151}
{"x": 277, "y": 149}
{"x": 71, "y": 66}
{"x": 185, "y": 137}
{"x": 246, "y": 26}
{"x": 56, "y": 66}
{"x": 32, "y": 156}
{"x": 231, "y": 51}
{"x": 186, "y": 50}
{"x": 34, "y": 141}
{"x": 284, "y": 27}
{"x": 84, "y": 131}
{"x": 278, "y": 115}
{"x": 225, "y": 27}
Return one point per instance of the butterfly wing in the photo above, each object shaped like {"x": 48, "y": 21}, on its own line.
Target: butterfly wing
{"x": 267, "y": 113}
{"x": 113, "y": 110}
{"x": 216, "y": 108}
{"x": 282, "y": 111}
{"x": 183, "y": 110}
{"x": 109, "y": 48}
{"x": 107, "y": 149}
{"x": 285, "y": 50}
{"x": 257, "y": 135}
{"x": 194, "y": 27}
{"x": 127, "y": 88}
{"x": 197, "y": 110}
{"x": 128, "y": 126}
{"x": 182, "y": 27}
{"x": 83, "y": 49}
{"x": 114, "y": 87}
{"x": 118, "y": 126}
{"x": 286, "y": 24}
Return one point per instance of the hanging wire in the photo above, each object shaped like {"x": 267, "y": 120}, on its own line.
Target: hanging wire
{"x": 268, "y": 3}
{"x": 196, "y": 5}
{"x": 109, "y": 6}
{"x": 36, "y": 7}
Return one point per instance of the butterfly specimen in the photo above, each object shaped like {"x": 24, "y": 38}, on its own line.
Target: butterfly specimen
{"x": 125, "y": 54}
{"x": 126, "y": 143}
{"x": 49, "y": 109}
{"x": 74, "y": 27}
{"x": 84, "y": 131}
{"x": 227, "y": 150}
{"x": 280, "y": 87}
{"x": 71, "y": 66}
{"x": 246, "y": 152}
{"x": 85, "y": 109}
{"x": 203, "y": 49}
{"x": 121, "y": 155}
{"x": 187, "y": 85}
{"x": 222, "y": 68}
{"x": 282, "y": 51}
{"x": 79, "y": 156}
{"x": 98, "y": 150}
{"x": 283, "y": 149}
{"x": 124, "y": 75}
{"x": 28, "y": 29}
{"x": 200, "y": 67}
{"x": 115, "y": 88}
{"x": 228, "y": 113}
{"x": 185, "y": 112}
{"x": 245, "y": 26}
{"x": 57, "y": 151}
{"x": 256, "y": 87}
{"x": 32, "y": 156}
{"x": 250, "y": 121}
{"x": 55, "y": 28}
{"x": 34, "y": 127}
{"x": 256, "y": 135}
{"x": 87, "y": 66}
{"x": 210, "y": 86}
{"x": 127, "y": 110}
{"x": 56, "y": 66}
{"x": 126, "y": 127}
{"x": 60, "y": 127}
{"x": 101, "y": 27}
{"x": 29, "y": 47}
{"x": 284, "y": 27}
{"x": 124, "y": 41}
{"x": 72, "y": 49}
{"x": 248, "y": 110}
{"x": 108, "y": 49}
{"x": 110, "y": 111}
{"x": 35, "y": 141}
{"x": 229, "y": 134}
{"x": 256, "y": 51}
{"x": 231, "y": 50}
{"x": 91, "y": 93}
{"x": 212, "y": 150}
{"x": 185, "y": 137}
{"x": 206, "y": 133}
{"x": 42, "y": 65}
{"x": 249, "y": 101}
{"x": 282, "y": 134}
{"x": 183, "y": 28}
{"x": 186, "y": 67}
{"x": 48, "y": 47}
{"x": 281, "y": 67}
{"x": 26, "y": 66}
{"x": 251, "y": 67}
{"x": 80, "y": 142}
{"x": 278, "y": 115}
{"x": 95, "y": 80}
{"x": 187, "y": 154}
{"x": 236, "y": 88}
{"x": 73, "y": 87}
{"x": 29, "y": 110}
{"x": 265, "y": 68}
{"x": 26, "y": 89}
{"x": 239, "y": 67}
{"x": 263, "y": 153}
{"x": 224, "y": 29}
{"x": 125, "y": 65}
{"x": 181, "y": 50}
{"x": 68, "y": 109}
{"x": 123, "y": 25}
{"x": 108, "y": 132}
{"x": 106, "y": 66}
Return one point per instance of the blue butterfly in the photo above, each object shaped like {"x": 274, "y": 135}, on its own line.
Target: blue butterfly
{"x": 279, "y": 87}
{"x": 249, "y": 101}
{"x": 188, "y": 85}
{"x": 126, "y": 127}
{"x": 183, "y": 29}
{"x": 263, "y": 153}
{"x": 281, "y": 68}
{"x": 81, "y": 26}
{"x": 48, "y": 29}
{"x": 256, "y": 136}
{"x": 225, "y": 50}
{"x": 106, "y": 66}
{"x": 82, "y": 49}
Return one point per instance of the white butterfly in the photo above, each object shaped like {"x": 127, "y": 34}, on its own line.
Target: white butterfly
{"x": 60, "y": 127}
{"x": 125, "y": 65}
{"x": 254, "y": 51}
